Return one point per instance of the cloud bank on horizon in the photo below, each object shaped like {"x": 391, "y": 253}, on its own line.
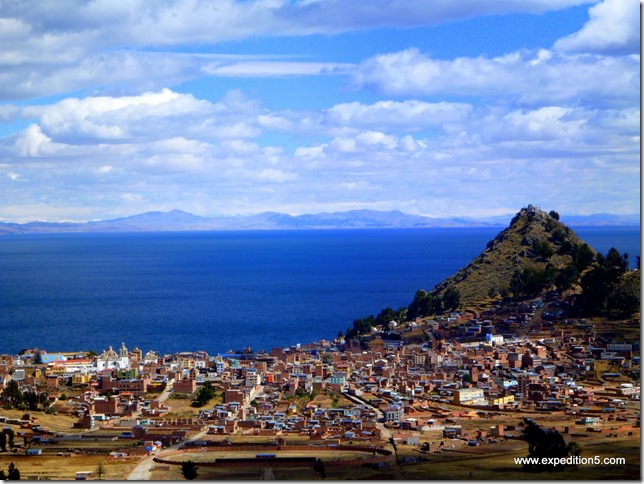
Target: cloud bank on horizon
{"x": 435, "y": 108}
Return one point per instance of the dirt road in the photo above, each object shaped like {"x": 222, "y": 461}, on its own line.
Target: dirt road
{"x": 143, "y": 471}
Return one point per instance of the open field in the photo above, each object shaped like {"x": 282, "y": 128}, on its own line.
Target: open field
{"x": 498, "y": 463}
{"x": 481, "y": 463}
{"x": 53, "y": 467}
{"x": 181, "y": 405}
{"x": 54, "y": 423}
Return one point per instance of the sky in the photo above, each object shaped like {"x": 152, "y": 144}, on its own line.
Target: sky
{"x": 232, "y": 107}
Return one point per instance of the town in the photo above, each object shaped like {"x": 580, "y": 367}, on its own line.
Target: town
{"x": 457, "y": 385}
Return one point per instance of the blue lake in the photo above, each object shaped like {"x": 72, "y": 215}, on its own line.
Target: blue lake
{"x": 219, "y": 291}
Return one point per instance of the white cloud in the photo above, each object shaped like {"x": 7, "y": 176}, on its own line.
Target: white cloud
{"x": 279, "y": 176}
{"x": 405, "y": 115}
{"x": 552, "y": 122}
{"x": 44, "y": 50}
{"x": 526, "y": 76}
{"x": 309, "y": 152}
{"x": 149, "y": 116}
{"x": 613, "y": 28}
{"x": 104, "y": 169}
{"x": 170, "y": 153}
{"x": 275, "y": 68}
{"x": 32, "y": 143}
{"x": 171, "y": 22}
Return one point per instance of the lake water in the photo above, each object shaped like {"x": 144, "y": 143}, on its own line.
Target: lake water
{"x": 220, "y": 291}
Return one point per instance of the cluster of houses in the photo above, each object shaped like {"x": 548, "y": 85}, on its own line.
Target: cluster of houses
{"x": 461, "y": 370}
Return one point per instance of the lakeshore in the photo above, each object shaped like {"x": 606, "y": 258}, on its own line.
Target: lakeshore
{"x": 451, "y": 392}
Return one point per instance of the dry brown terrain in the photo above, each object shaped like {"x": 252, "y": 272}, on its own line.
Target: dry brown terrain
{"x": 54, "y": 467}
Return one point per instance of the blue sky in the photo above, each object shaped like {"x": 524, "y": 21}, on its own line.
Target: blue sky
{"x": 437, "y": 108}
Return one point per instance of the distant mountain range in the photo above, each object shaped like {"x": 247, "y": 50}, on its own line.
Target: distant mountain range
{"x": 177, "y": 220}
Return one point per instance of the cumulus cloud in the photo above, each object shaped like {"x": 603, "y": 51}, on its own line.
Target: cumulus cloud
{"x": 404, "y": 115}
{"x": 547, "y": 116}
{"x": 151, "y": 115}
{"x": 33, "y": 143}
{"x": 44, "y": 50}
{"x": 528, "y": 76}
{"x": 613, "y": 28}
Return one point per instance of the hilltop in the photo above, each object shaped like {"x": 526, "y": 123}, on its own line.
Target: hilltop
{"x": 535, "y": 254}
{"x": 536, "y": 245}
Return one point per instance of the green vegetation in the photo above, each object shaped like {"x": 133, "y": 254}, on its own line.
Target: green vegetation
{"x": 319, "y": 467}
{"x": 425, "y": 304}
{"x": 546, "y": 443}
{"x": 532, "y": 280}
{"x": 189, "y": 470}
{"x": 364, "y": 325}
{"x": 607, "y": 288}
{"x": 204, "y": 395}
{"x": 532, "y": 251}
{"x": 12, "y": 474}
{"x": 536, "y": 253}
{"x": 100, "y": 471}
{"x": 13, "y": 397}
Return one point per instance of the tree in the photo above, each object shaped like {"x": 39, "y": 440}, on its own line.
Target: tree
{"x": 204, "y": 395}
{"x": 602, "y": 280}
{"x": 542, "y": 248}
{"x": 420, "y": 306}
{"x": 451, "y": 299}
{"x": 616, "y": 265}
{"x": 100, "y": 471}
{"x": 13, "y": 473}
{"x": 567, "y": 278}
{"x": 532, "y": 280}
{"x": 319, "y": 467}
{"x": 361, "y": 326}
{"x": 189, "y": 470}
{"x": 425, "y": 304}
{"x": 554, "y": 214}
{"x": 624, "y": 300}
{"x": 10, "y": 436}
{"x": 582, "y": 256}
{"x": 545, "y": 443}
{"x": 12, "y": 394}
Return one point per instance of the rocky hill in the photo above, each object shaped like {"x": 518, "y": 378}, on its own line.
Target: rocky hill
{"x": 528, "y": 255}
